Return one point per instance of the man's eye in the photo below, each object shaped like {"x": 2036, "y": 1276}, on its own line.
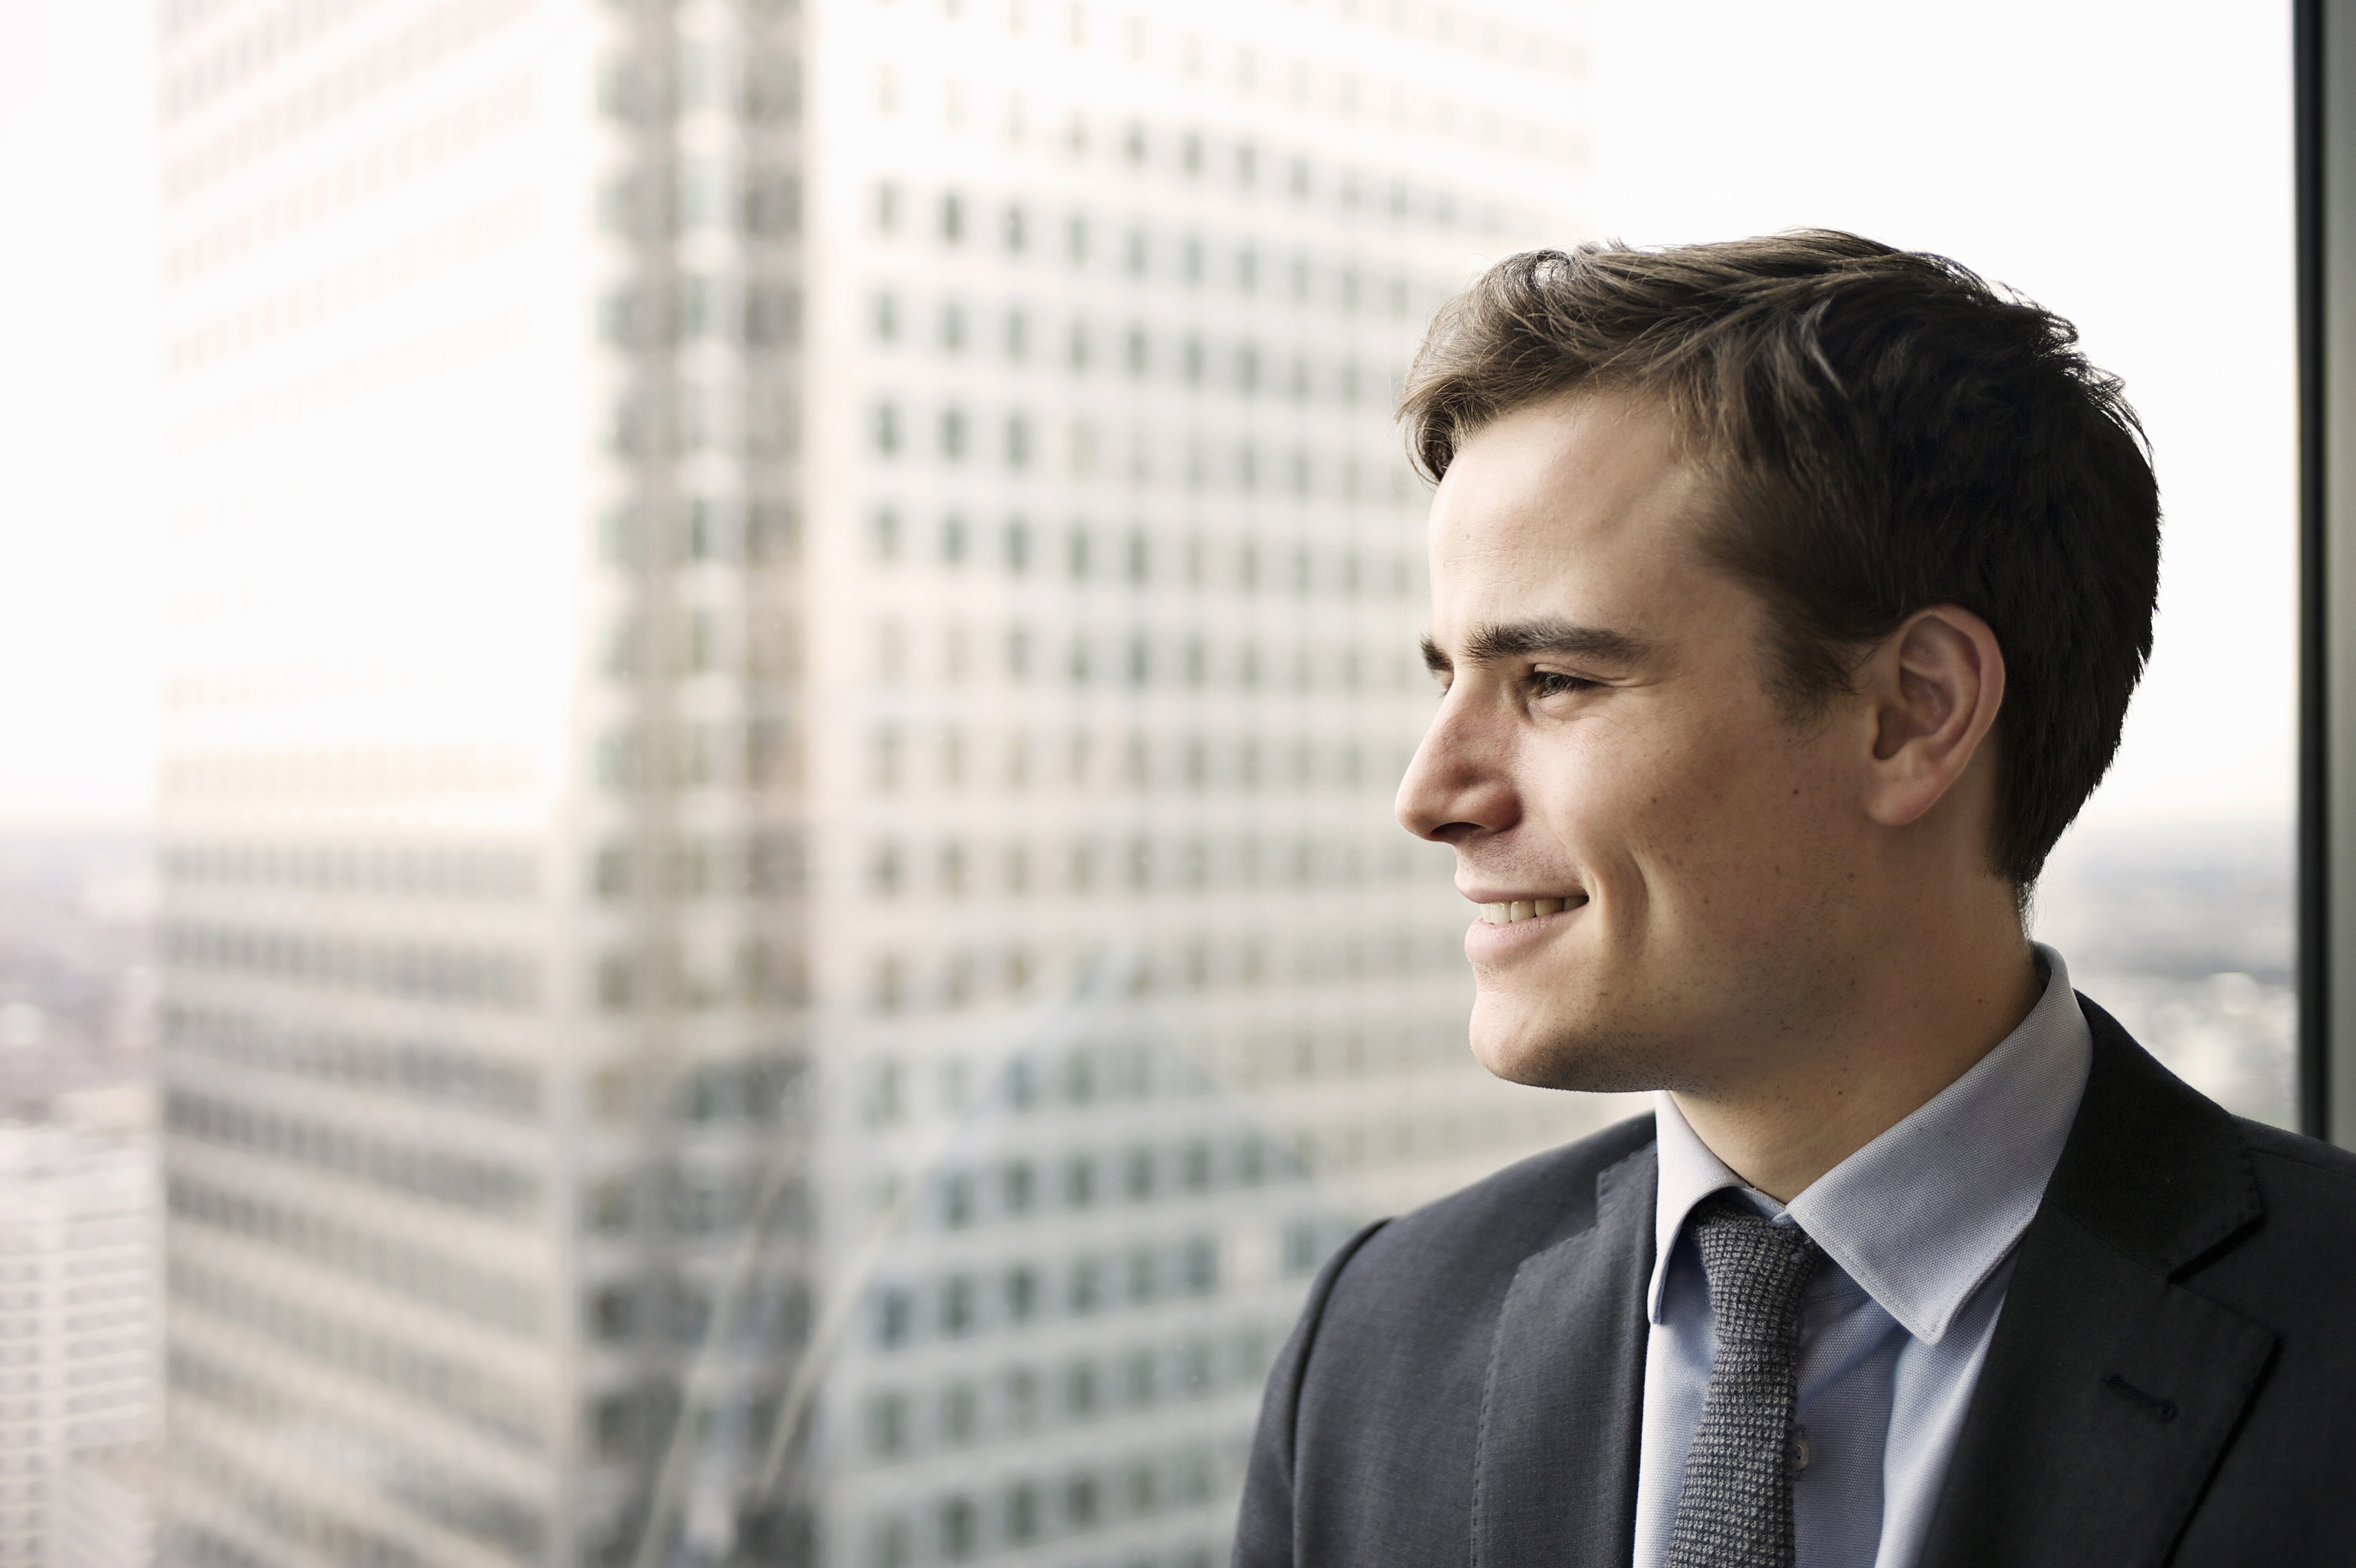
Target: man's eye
{"x": 1553, "y": 684}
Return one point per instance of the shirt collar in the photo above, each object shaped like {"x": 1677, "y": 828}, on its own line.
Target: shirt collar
{"x": 1922, "y": 1216}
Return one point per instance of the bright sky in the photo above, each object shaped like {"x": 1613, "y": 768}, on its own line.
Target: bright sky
{"x": 78, "y": 512}
{"x": 2127, "y": 165}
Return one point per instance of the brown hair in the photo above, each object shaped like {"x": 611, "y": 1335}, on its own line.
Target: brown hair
{"x": 1889, "y": 433}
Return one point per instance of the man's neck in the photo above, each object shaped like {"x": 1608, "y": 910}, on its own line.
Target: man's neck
{"x": 1783, "y": 1126}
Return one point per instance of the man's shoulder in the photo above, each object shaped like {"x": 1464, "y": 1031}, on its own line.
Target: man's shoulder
{"x": 2166, "y": 1171}
{"x": 2249, "y": 1216}
{"x": 1486, "y": 1230}
{"x": 2303, "y": 1176}
{"x": 2333, "y": 1163}
{"x": 1375, "y": 1425}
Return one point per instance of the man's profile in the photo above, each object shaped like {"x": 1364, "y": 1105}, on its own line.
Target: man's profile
{"x": 1787, "y": 598}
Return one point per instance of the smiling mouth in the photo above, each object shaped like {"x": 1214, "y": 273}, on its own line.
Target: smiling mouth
{"x": 1525, "y": 910}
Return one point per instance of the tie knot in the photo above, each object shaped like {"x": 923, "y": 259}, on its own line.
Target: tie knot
{"x": 1757, "y": 1269}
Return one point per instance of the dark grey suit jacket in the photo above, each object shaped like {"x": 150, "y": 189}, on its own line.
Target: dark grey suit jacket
{"x": 2173, "y": 1379}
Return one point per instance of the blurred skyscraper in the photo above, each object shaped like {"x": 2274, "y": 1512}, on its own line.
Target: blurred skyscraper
{"x": 78, "y": 1350}
{"x": 792, "y": 633}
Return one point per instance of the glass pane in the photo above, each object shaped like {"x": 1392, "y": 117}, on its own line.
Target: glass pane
{"x": 761, "y": 904}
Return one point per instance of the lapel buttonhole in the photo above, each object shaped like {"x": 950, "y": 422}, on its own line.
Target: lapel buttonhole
{"x": 2152, "y": 1405}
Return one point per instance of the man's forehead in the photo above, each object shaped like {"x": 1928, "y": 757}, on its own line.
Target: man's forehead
{"x": 1547, "y": 484}
{"x": 1581, "y": 516}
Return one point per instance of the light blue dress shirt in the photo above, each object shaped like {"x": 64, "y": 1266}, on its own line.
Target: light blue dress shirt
{"x": 1918, "y": 1230}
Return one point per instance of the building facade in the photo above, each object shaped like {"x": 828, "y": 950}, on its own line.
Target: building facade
{"x": 78, "y": 1312}
{"x": 792, "y": 633}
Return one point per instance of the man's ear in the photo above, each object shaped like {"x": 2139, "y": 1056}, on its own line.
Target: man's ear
{"x": 1935, "y": 686}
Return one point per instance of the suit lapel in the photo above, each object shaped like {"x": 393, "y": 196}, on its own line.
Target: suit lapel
{"x": 1562, "y": 1413}
{"x": 2110, "y": 1390}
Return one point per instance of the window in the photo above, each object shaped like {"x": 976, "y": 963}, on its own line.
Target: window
{"x": 893, "y": 1317}
{"x": 1039, "y": 784}
{"x": 887, "y": 1425}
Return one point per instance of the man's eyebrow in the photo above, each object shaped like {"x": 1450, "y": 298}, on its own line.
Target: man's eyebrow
{"x": 1494, "y": 643}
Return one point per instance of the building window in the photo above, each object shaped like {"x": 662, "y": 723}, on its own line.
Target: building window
{"x": 960, "y": 1413}
{"x": 887, "y": 1425}
{"x": 1022, "y": 1398}
{"x": 1138, "y": 1380}
{"x": 957, "y": 1533}
{"x": 1194, "y": 1164}
{"x": 1021, "y": 1513}
{"x": 1202, "y": 1266}
{"x": 957, "y": 1304}
{"x": 894, "y": 1312}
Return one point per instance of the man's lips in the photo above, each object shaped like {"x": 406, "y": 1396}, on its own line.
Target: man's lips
{"x": 1507, "y": 927}
{"x": 1509, "y": 911}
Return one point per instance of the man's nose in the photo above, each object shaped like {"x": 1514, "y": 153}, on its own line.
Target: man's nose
{"x": 1460, "y": 784}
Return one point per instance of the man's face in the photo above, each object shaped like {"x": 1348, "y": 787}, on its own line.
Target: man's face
{"x": 1608, "y": 749}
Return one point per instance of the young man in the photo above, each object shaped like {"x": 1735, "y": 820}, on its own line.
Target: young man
{"x": 1787, "y": 596}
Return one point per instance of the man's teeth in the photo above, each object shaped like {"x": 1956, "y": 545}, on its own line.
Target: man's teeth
{"x": 1522, "y": 910}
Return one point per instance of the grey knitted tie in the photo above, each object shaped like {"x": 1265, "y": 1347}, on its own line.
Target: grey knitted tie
{"x": 1735, "y": 1508}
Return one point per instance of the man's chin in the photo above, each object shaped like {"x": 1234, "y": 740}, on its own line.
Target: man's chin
{"x": 1561, "y": 1053}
